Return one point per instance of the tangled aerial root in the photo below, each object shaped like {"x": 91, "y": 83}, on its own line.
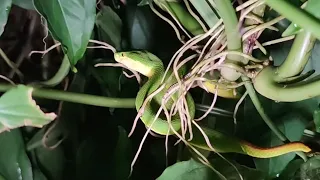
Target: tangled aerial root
{"x": 207, "y": 60}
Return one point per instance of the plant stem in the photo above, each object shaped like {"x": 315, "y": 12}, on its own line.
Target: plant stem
{"x": 296, "y": 15}
{"x": 298, "y": 56}
{"x": 60, "y": 75}
{"x": 78, "y": 97}
{"x": 267, "y": 87}
{"x": 264, "y": 116}
{"x": 230, "y": 21}
{"x": 234, "y": 42}
{"x": 260, "y": 109}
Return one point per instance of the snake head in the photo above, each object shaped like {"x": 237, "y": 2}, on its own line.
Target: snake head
{"x": 140, "y": 61}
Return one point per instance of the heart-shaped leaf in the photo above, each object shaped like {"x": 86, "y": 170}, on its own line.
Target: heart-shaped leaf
{"x": 70, "y": 22}
{"x": 5, "y": 7}
{"x": 17, "y": 109}
{"x": 109, "y": 26}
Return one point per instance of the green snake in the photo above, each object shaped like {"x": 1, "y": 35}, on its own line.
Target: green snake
{"x": 152, "y": 67}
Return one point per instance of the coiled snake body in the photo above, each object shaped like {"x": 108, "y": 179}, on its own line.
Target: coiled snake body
{"x": 152, "y": 67}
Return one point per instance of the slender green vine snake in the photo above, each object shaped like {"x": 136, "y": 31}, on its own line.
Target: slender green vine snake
{"x": 152, "y": 67}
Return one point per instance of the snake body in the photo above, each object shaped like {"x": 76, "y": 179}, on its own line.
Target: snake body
{"x": 152, "y": 67}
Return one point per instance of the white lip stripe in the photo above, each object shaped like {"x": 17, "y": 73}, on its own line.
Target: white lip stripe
{"x": 135, "y": 65}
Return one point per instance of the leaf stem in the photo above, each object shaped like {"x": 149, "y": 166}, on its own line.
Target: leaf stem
{"x": 78, "y": 97}
{"x": 230, "y": 21}
{"x": 298, "y": 56}
{"x": 234, "y": 42}
{"x": 296, "y": 15}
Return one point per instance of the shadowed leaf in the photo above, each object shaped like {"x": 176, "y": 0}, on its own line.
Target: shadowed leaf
{"x": 14, "y": 162}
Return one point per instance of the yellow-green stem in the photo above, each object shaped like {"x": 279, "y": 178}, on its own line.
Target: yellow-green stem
{"x": 78, "y": 97}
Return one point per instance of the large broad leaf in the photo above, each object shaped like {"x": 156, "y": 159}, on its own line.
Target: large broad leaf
{"x": 17, "y": 109}
{"x": 109, "y": 27}
{"x": 70, "y": 22}
{"x": 14, "y": 162}
{"x": 26, "y": 4}
{"x": 187, "y": 170}
{"x": 122, "y": 155}
{"x": 292, "y": 126}
{"x": 206, "y": 12}
{"x": 140, "y": 27}
{"x": 290, "y": 172}
{"x": 5, "y": 7}
{"x": 51, "y": 161}
{"x": 190, "y": 170}
{"x": 38, "y": 175}
{"x": 232, "y": 171}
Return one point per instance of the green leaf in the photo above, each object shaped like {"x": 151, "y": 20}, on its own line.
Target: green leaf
{"x": 122, "y": 155}
{"x": 70, "y": 22}
{"x": 310, "y": 169}
{"x": 187, "y": 170}
{"x": 14, "y": 162}
{"x": 140, "y": 27}
{"x": 26, "y": 4}
{"x": 192, "y": 169}
{"x": 38, "y": 175}
{"x": 5, "y": 7}
{"x": 51, "y": 161}
{"x": 204, "y": 9}
{"x": 289, "y": 172}
{"x": 292, "y": 126}
{"x": 17, "y": 109}
{"x": 316, "y": 119}
{"x": 292, "y": 29}
{"x": 232, "y": 173}
{"x": 108, "y": 78}
{"x": 109, "y": 27}
{"x": 2, "y": 178}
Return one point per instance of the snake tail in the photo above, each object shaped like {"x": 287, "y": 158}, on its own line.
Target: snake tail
{"x": 228, "y": 144}
{"x": 260, "y": 152}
